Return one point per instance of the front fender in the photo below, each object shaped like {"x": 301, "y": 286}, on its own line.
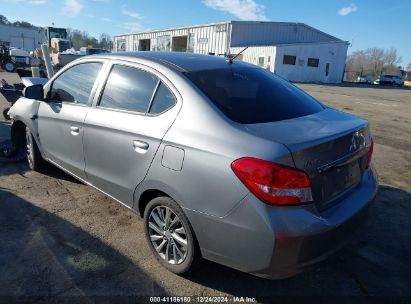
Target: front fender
{"x": 24, "y": 111}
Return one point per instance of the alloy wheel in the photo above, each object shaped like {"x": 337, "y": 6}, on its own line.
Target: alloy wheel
{"x": 9, "y": 67}
{"x": 168, "y": 235}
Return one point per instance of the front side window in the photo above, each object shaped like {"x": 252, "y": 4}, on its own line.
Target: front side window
{"x": 75, "y": 84}
{"x": 128, "y": 88}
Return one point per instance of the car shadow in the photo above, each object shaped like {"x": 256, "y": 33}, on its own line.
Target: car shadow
{"x": 375, "y": 262}
{"x": 21, "y": 167}
{"x": 55, "y": 172}
{"x": 42, "y": 254}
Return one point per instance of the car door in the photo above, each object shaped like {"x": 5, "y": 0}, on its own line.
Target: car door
{"x": 123, "y": 131}
{"x": 61, "y": 116}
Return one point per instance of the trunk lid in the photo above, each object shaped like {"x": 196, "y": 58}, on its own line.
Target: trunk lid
{"x": 330, "y": 146}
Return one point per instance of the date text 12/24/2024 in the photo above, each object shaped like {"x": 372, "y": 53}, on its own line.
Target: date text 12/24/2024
{"x": 202, "y": 299}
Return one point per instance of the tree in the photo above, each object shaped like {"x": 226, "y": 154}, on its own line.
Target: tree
{"x": 4, "y": 20}
{"x": 105, "y": 41}
{"x": 376, "y": 60}
{"x": 23, "y": 24}
{"x": 83, "y": 39}
{"x": 373, "y": 62}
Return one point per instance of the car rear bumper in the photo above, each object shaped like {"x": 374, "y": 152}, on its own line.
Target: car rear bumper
{"x": 279, "y": 242}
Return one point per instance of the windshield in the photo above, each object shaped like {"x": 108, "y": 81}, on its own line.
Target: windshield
{"x": 63, "y": 46}
{"x": 254, "y": 95}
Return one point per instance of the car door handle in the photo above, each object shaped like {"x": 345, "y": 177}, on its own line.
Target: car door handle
{"x": 74, "y": 130}
{"x": 140, "y": 146}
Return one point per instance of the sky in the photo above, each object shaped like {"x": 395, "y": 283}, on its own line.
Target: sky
{"x": 364, "y": 23}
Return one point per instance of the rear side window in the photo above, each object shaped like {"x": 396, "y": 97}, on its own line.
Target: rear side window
{"x": 129, "y": 89}
{"x": 254, "y": 95}
{"x": 75, "y": 84}
{"x": 163, "y": 100}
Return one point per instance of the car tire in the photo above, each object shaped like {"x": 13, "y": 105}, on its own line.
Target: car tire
{"x": 5, "y": 114}
{"x": 34, "y": 158}
{"x": 167, "y": 240}
{"x": 9, "y": 66}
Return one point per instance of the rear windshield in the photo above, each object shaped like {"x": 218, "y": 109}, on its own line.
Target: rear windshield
{"x": 254, "y": 95}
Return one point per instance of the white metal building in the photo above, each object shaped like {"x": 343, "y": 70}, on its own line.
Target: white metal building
{"x": 294, "y": 51}
{"x": 21, "y": 37}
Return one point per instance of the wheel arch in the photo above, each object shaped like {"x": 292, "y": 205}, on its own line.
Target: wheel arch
{"x": 18, "y": 133}
{"x": 147, "y": 196}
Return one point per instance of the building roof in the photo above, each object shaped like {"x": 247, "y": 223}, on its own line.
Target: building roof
{"x": 235, "y": 22}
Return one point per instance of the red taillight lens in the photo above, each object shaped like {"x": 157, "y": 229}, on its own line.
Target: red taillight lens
{"x": 273, "y": 183}
{"x": 370, "y": 153}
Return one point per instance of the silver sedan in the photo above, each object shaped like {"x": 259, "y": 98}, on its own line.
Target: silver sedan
{"x": 224, "y": 160}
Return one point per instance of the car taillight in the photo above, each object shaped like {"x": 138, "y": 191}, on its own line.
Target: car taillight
{"x": 370, "y": 153}
{"x": 273, "y": 183}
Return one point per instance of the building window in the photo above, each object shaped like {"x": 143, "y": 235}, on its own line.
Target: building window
{"x": 327, "y": 69}
{"x": 164, "y": 43}
{"x": 121, "y": 45}
{"x": 221, "y": 28}
{"x": 288, "y": 59}
{"x": 261, "y": 61}
{"x": 313, "y": 62}
{"x": 202, "y": 40}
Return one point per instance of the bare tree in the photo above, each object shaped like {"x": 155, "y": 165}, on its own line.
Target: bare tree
{"x": 105, "y": 41}
{"x": 373, "y": 62}
{"x": 391, "y": 57}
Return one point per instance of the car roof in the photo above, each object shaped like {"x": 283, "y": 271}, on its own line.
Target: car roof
{"x": 181, "y": 61}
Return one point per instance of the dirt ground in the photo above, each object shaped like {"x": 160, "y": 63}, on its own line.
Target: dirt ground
{"x": 61, "y": 238}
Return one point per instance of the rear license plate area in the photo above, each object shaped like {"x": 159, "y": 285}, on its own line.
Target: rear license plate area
{"x": 340, "y": 179}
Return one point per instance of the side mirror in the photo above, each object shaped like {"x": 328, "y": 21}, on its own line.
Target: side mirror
{"x": 34, "y": 92}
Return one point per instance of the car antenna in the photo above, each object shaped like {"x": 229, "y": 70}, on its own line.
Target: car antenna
{"x": 231, "y": 59}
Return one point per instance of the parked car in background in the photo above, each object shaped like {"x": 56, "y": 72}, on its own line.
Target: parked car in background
{"x": 407, "y": 83}
{"x": 224, "y": 160}
{"x": 364, "y": 79}
{"x": 391, "y": 80}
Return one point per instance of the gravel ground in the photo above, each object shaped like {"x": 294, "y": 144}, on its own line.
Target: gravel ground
{"x": 60, "y": 237}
